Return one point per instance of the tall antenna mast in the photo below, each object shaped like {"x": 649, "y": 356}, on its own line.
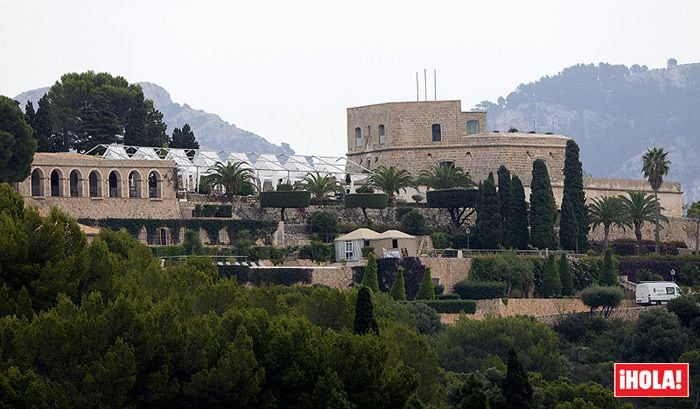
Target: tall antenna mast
{"x": 435, "y": 84}
{"x": 417, "y": 92}
{"x": 425, "y": 83}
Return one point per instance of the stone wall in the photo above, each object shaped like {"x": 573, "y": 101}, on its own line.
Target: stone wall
{"x": 678, "y": 229}
{"x": 448, "y": 270}
{"x": 670, "y": 194}
{"x": 334, "y": 277}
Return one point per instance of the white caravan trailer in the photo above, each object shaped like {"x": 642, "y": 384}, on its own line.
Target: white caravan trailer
{"x": 656, "y": 292}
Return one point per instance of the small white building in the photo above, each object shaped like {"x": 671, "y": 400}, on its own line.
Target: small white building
{"x": 348, "y": 247}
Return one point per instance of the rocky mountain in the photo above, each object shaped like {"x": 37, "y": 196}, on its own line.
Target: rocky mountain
{"x": 615, "y": 114}
{"x": 211, "y": 131}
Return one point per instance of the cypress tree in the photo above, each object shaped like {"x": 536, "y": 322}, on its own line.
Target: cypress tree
{"x": 504, "y": 192}
{"x": 426, "y": 291}
{"x": 567, "y": 281}
{"x": 364, "y": 313}
{"x": 398, "y": 289}
{"x": 573, "y": 192}
{"x": 516, "y": 387}
{"x": 542, "y": 208}
{"x": 608, "y": 275}
{"x": 518, "y": 233}
{"x": 568, "y": 226}
{"x": 489, "y": 227}
{"x": 551, "y": 282}
{"x": 369, "y": 278}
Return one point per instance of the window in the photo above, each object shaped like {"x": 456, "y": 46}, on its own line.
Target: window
{"x": 349, "y": 254}
{"x": 56, "y": 185}
{"x": 394, "y": 243}
{"x": 358, "y": 137}
{"x": 76, "y": 183}
{"x": 670, "y": 290}
{"x": 114, "y": 184}
{"x": 154, "y": 185}
{"x": 95, "y": 184}
{"x": 366, "y": 243}
{"x": 437, "y": 133}
{"x": 447, "y": 164}
{"x": 381, "y": 131}
{"x": 472, "y": 127}
{"x": 37, "y": 182}
{"x": 134, "y": 184}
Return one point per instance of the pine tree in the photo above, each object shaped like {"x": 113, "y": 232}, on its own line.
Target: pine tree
{"x": 568, "y": 226}
{"x": 184, "y": 138}
{"x": 370, "y": 279}
{"x": 398, "y": 289}
{"x": 567, "y": 281}
{"x": 17, "y": 145}
{"x": 504, "y": 192}
{"x": 474, "y": 394}
{"x": 364, "y": 313}
{"x": 29, "y": 113}
{"x": 489, "y": 227}
{"x": 574, "y": 194}
{"x": 43, "y": 128}
{"x": 99, "y": 125}
{"x": 551, "y": 281}
{"x": 518, "y": 233}
{"x": 155, "y": 127}
{"x": 608, "y": 275}
{"x": 516, "y": 387}
{"x": 426, "y": 291}
{"x": 542, "y": 208}
{"x": 135, "y": 132}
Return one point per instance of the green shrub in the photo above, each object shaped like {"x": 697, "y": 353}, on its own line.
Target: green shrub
{"x": 367, "y": 200}
{"x": 413, "y": 223}
{"x": 325, "y": 224}
{"x": 317, "y": 251}
{"x": 287, "y": 200}
{"x": 192, "y": 244}
{"x": 210, "y": 210}
{"x": 461, "y": 240}
{"x": 440, "y": 240}
{"x": 426, "y": 291}
{"x": 367, "y": 250}
{"x": 168, "y": 251}
{"x": 481, "y": 290}
{"x": 450, "y": 296}
{"x": 604, "y": 297}
{"x": 267, "y": 276}
{"x": 284, "y": 187}
{"x": 401, "y": 211}
{"x": 508, "y": 267}
{"x": 439, "y": 289}
{"x": 451, "y": 306}
{"x": 451, "y": 198}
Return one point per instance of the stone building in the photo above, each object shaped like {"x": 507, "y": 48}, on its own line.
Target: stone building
{"x": 421, "y": 134}
{"x": 87, "y": 186}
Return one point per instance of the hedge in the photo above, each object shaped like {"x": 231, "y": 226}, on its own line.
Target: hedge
{"x": 287, "y": 200}
{"x": 450, "y": 296}
{"x": 481, "y": 290}
{"x": 267, "y": 276}
{"x": 210, "y": 210}
{"x": 630, "y": 267}
{"x": 257, "y": 228}
{"x": 451, "y": 198}
{"x": 451, "y": 306}
{"x": 367, "y": 200}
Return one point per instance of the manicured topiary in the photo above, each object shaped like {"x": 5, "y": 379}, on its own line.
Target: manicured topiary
{"x": 398, "y": 289}
{"x": 426, "y": 290}
{"x": 370, "y": 279}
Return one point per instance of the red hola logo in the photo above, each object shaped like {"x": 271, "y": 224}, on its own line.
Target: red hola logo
{"x": 652, "y": 380}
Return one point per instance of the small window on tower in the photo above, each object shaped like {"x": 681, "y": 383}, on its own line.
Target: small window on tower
{"x": 381, "y": 131}
{"x": 358, "y": 137}
{"x": 472, "y": 127}
{"x": 437, "y": 133}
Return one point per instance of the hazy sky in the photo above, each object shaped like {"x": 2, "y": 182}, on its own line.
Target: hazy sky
{"x": 287, "y": 70}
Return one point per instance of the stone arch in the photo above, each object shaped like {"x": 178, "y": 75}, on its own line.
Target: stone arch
{"x": 37, "y": 182}
{"x": 95, "y": 183}
{"x": 154, "y": 185}
{"x": 135, "y": 184}
{"x": 114, "y": 181}
{"x": 75, "y": 183}
{"x": 56, "y": 183}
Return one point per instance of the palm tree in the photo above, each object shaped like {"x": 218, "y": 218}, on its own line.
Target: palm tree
{"x": 639, "y": 208}
{"x": 445, "y": 177}
{"x": 318, "y": 185}
{"x": 606, "y": 211}
{"x": 391, "y": 180}
{"x": 655, "y": 167}
{"x": 232, "y": 176}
